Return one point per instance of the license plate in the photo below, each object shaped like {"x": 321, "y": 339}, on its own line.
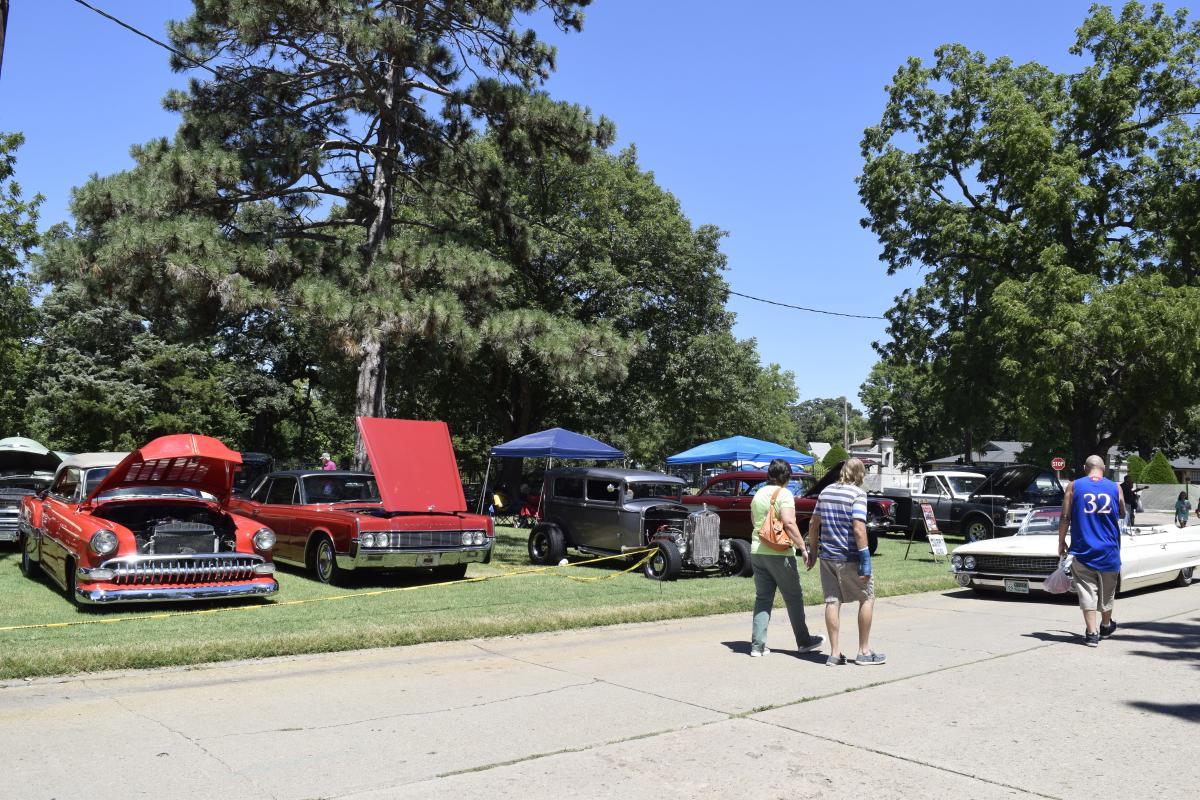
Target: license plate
{"x": 430, "y": 560}
{"x": 1016, "y": 587}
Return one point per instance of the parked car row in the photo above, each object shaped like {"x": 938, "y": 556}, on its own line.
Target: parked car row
{"x": 161, "y": 523}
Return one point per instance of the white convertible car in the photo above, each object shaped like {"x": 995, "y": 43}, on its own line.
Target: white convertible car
{"x": 1019, "y": 564}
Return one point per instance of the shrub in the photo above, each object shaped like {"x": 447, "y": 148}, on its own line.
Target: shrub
{"x": 1158, "y": 470}
{"x": 1137, "y": 465}
{"x": 836, "y": 453}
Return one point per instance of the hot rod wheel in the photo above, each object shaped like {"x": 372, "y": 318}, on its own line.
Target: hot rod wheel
{"x": 546, "y": 544}
{"x": 737, "y": 560}
{"x": 665, "y": 564}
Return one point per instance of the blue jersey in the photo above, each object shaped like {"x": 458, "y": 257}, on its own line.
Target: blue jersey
{"x": 1095, "y": 524}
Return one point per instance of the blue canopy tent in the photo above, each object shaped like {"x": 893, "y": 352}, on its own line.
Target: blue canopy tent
{"x": 553, "y": 443}
{"x": 738, "y": 448}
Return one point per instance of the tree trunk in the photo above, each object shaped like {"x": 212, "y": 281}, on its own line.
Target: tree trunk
{"x": 372, "y": 371}
{"x": 372, "y": 383}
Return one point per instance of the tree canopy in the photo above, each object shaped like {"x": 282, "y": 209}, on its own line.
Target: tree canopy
{"x": 1055, "y": 218}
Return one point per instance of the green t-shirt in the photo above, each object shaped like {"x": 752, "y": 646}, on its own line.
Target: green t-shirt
{"x": 758, "y": 512}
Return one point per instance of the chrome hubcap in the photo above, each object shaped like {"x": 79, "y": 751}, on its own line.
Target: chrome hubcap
{"x": 324, "y": 560}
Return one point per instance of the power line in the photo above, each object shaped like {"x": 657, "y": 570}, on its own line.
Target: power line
{"x": 806, "y": 308}
{"x": 321, "y": 124}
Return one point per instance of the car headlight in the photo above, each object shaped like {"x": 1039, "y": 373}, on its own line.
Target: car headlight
{"x": 480, "y": 538}
{"x": 366, "y": 539}
{"x": 103, "y": 542}
{"x": 956, "y": 562}
{"x": 264, "y": 539}
{"x": 468, "y": 537}
{"x": 969, "y": 562}
{"x": 381, "y": 540}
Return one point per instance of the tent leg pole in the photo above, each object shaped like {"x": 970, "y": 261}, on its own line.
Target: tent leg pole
{"x": 483, "y": 489}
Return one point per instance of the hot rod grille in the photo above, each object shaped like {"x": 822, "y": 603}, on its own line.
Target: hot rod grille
{"x": 1020, "y": 565}
{"x": 705, "y": 530}
{"x": 425, "y": 540}
{"x": 200, "y": 569}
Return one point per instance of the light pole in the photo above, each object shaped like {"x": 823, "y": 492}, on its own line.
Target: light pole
{"x": 3, "y": 28}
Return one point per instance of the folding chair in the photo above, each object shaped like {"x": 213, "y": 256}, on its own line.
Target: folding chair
{"x": 503, "y": 513}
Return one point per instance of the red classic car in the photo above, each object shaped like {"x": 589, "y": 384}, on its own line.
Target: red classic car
{"x": 151, "y": 526}
{"x": 730, "y": 493}
{"x": 410, "y": 513}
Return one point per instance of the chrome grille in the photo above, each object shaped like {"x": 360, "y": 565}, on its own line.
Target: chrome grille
{"x": 424, "y": 540}
{"x": 142, "y": 571}
{"x": 8, "y": 519}
{"x": 704, "y": 529}
{"x": 1024, "y": 565}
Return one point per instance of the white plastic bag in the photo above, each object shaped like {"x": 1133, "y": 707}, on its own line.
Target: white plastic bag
{"x": 1059, "y": 581}
{"x": 1141, "y": 508}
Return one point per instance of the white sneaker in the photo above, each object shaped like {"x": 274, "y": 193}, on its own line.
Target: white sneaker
{"x": 766, "y": 651}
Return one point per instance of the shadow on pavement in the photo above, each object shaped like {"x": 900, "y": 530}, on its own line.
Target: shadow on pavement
{"x": 1187, "y": 711}
{"x": 743, "y": 648}
{"x": 1056, "y": 636}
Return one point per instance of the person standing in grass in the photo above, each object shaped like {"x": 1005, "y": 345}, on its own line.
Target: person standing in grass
{"x": 777, "y": 569}
{"x": 838, "y": 533}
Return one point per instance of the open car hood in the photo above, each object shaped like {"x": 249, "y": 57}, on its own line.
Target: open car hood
{"x": 414, "y": 465}
{"x": 1008, "y": 482}
{"x": 183, "y": 460}
{"x": 21, "y": 456}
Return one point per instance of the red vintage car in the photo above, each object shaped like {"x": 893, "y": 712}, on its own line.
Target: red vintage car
{"x": 730, "y": 493}
{"x": 151, "y": 526}
{"x": 410, "y": 513}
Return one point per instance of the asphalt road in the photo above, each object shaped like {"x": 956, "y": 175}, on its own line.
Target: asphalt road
{"x": 981, "y": 698}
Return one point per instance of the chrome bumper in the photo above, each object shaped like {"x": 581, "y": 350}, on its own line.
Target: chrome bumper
{"x": 414, "y": 559}
{"x": 149, "y": 594}
{"x": 966, "y": 579}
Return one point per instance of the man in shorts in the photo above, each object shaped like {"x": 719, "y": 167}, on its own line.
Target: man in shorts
{"x": 1093, "y": 508}
{"x": 839, "y": 525}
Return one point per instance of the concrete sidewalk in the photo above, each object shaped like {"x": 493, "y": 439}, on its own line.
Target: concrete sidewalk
{"x": 982, "y": 697}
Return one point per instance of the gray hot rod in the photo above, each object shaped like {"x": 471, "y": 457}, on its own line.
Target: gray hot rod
{"x": 603, "y": 511}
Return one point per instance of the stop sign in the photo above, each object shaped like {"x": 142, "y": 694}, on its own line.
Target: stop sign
{"x": 1058, "y": 463}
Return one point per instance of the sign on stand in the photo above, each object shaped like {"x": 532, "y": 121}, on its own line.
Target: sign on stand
{"x": 1058, "y": 464}
{"x": 937, "y": 542}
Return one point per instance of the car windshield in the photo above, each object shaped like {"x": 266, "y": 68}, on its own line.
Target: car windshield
{"x": 961, "y": 485}
{"x": 1041, "y": 522}
{"x": 796, "y": 486}
{"x": 644, "y": 489}
{"x": 340, "y": 489}
{"x": 93, "y": 478}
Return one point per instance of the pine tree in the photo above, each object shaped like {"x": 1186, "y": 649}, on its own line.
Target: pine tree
{"x": 372, "y": 105}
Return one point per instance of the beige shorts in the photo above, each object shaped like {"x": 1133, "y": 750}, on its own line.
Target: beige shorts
{"x": 1095, "y": 589}
{"x": 841, "y": 584}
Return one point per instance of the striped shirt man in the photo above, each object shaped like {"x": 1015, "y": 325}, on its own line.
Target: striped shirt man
{"x": 839, "y": 505}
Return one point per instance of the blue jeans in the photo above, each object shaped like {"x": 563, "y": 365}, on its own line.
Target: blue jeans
{"x": 782, "y": 573}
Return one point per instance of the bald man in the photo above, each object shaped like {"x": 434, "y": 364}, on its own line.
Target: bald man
{"x": 1092, "y": 510}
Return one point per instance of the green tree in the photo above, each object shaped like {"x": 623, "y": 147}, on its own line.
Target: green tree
{"x": 1006, "y": 182}
{"x": 104, "y": 382}
{"x": 18, "y": 236}
{"x": 820, "y": 420}
{"x": 1158, "y": 470}
{"x": 391, "y": 95}
{"x": 836, "y": 453}
{"x": 1137, "y": 466}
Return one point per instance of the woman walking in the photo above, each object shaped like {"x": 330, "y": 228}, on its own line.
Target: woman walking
{"x": 775, "y": 567}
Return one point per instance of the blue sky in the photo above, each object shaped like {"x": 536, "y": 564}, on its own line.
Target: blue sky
{"x": 750, "y": 113}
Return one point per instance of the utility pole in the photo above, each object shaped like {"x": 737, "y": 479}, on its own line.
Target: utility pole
{"x": 845, "y": 424}
{"x": 3, "y": 27}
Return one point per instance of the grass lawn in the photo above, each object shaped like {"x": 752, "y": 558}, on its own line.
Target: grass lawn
{"x": 430, "y": 612}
